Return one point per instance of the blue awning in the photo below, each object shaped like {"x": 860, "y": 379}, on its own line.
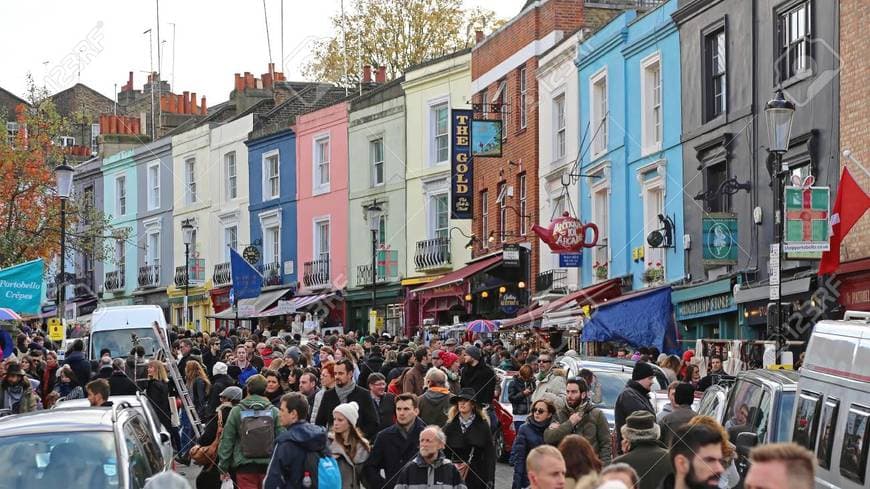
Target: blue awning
{"x": 641, "y": 319}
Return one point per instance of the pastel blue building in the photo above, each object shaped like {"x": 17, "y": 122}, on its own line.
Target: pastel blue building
{"x": 120, "y": 203}
{"x": 631, "y": 156}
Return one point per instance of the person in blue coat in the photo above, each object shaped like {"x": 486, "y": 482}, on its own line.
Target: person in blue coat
{"x": 286, "y": 468}
{"x": 529, "y": 436}
{"x": 78, "y": 363}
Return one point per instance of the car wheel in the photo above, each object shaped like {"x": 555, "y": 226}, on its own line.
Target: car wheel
{"x": 498, "y": 441}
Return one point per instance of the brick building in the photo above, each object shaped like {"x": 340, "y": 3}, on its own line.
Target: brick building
{"x": 854, "y": 269}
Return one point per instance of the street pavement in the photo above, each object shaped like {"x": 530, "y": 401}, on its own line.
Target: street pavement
{"x": 504, "y": 474}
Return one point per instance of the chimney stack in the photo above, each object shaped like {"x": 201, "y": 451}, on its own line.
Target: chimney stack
{"x": 367, "y": 74}
{"x": 478, "y": 36}
{"x": 202, "y": 107}
{"x": 381, "y": 76}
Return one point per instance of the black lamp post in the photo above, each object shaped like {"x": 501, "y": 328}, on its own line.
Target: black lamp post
{"x": 780, "y": 113}
{"x": 64, "y": 175}
{"x": 187, "y": 236}
{"x": 374, "y": 216}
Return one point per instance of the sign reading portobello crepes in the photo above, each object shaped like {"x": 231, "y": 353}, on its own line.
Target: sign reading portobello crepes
{"x": 461, "y": 167}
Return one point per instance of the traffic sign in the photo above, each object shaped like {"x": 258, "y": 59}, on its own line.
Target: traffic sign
{"x": 55, "y": 329}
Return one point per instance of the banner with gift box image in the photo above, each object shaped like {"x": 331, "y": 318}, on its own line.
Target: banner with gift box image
{"x": 807, "y": 213}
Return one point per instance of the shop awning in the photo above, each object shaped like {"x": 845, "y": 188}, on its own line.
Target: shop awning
{"x": 298, "y": 303}
{"x": 262, "y": 302}
{"x": 594, "y": 294}
{"x": 459, "y": 276}
{"x": 641, "y": 319}
{"x": 408, "y": 282}
{"x": 762, "y": 292}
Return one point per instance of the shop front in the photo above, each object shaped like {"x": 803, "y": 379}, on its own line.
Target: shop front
{"x": 854, "y": 286}
{"x": 220, "y": 301}
{"x": 706, "y": 311}
{"x": 198, "y": 306}
{"x": 806, "y": 300}
{"x": 389, "y": 304}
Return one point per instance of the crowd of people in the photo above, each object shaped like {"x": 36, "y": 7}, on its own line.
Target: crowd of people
{"x": 279, "y": 411}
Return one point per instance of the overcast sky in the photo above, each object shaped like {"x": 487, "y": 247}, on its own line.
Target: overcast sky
{"x": 213, "y": 40}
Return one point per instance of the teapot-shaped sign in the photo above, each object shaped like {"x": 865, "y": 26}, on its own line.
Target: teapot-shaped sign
{"x": 567, "y": 234}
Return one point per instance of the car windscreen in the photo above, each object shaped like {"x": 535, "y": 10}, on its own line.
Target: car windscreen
{"x": 72, "y": 460}
{"x": 612, "y": 384}
{"x": 121, "y": 341}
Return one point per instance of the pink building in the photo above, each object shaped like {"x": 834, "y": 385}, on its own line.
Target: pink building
{"x": 322, "y": 230}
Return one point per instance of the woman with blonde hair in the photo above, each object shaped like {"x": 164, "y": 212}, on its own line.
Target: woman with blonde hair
{"x": 469, "y": 441}
{"x": 157, "y": 392}
{"x": 199, "y": 386}
{"x": 348, "y": 445}
{"x": 730, "y": 478}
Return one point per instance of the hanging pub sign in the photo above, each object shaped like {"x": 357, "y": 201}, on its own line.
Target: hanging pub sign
{"x": 567, "y": 234}
{"x": 461, "y": 167}
{"x": 486, "y": 137}
{"x": 510, "y": 255}
{"x": 720, "y": 238}
{"x": 807, "y": 210}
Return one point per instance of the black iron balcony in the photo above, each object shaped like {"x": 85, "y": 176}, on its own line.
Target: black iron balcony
{"x": 222, "y": 275}
{"x": 364, "y": 275}
{"x": 432, "y": 254}
{"x": 149, "y": 276}
{"x": 196, "y": 271}
{"x": 84, "y": 284}
{"x": 272, "y": 274}
{"x": 555, "y": 281}
{"x": 180, "y": 276}
{"x": 115, "y": 280}
{"x": 315, "y": 273}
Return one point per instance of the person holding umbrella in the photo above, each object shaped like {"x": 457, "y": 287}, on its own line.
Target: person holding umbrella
{"x": 469, "y": 441}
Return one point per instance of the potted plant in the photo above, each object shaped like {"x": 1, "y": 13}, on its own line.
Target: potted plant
{"x": 600, "y": 270}
{"x": 654, "y": 274}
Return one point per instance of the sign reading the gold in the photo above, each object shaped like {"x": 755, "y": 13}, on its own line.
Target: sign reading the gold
{"x": 462, "y": 168}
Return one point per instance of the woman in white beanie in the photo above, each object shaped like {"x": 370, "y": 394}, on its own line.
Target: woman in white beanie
{"x": 348, "y": 445}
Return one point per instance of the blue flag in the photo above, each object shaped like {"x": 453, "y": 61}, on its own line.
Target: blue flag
{"x": 21, "y": 287}
{"x": 247, "y": 281}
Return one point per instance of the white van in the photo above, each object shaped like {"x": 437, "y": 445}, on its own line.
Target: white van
{"x": 832, "y": 416}
{"x": 121, "y": 328}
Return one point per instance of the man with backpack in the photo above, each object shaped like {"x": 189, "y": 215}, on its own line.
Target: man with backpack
{"x": 297, "y": 448}
{"x": 249, "y": 434}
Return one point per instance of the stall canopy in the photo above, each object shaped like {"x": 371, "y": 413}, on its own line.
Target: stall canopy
{"x": 265, "y": 300}
{"x": 641, "y": 319}
{"x": 594, "y": 295}
{"x": 298, "y": 303}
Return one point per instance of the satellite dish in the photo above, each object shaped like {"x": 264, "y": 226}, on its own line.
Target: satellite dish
{"x": 655, "y": 239}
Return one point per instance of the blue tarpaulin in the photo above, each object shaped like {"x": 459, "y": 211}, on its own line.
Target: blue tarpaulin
{"x": 642, "y": 319}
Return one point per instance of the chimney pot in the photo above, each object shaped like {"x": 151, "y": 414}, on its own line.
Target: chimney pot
{"x": 113, "y": 124}
{"x": 478, "y": 36}
{"x": 202, "y": 107}
{"x": 193, "y": 108}
{"x": 186, "y": 102}
{"x": 179, "y": 104}
{"x": 367, "y": 74}
{"x": 381, "y": 76}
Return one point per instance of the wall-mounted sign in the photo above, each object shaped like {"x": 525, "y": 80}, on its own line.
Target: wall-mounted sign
{"x": 706, "y": 306}
{"x": 567, "y": 234}
{"x": 807, "y": 210}
{"x": 509, "y": 303}
{"x": 570, "y": 260}
{"x": 461, "y": 166}
{"x": 510, "y": 255}
{"x": 720, "y": 238}
{"x": 486, "y": 136}
{"x": 285, "y": 307}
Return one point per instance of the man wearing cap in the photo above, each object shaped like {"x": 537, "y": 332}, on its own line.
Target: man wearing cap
{"x": 644, "y": 452}
{"x": 450, "y": 345}
{"x": 635, "y": 397}
{"x": 681, "y": 413}
{"x": 478, "y": 376}
{"x": 373, "y": 362}
{"x": 228, "y": 397}
{"x": 248, "y": 472}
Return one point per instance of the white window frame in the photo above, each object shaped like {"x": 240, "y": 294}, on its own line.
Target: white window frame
{"x": 432, "y": 225}
{"x": 523, "y": 98}
{"x": 232, "y": 178}
{"x": 652, "y": 187}
{"x": 317, "y": 252}
{"x": 651, "y": 119}
{"x": 484, "y": 224}
{"x": 190, "y": 180}
{"x": 600, "y": 187}
{"x": 11, "y": 131}
{"x": 523, "y": 194}
{"x": 502, "y": 212}
{"x": 121, "y": 195}
{"x": 431, "y": 130}
{"x": 374, "y": 162}
{"x": 268, "y": 178}
{"x": 317, "y": 165}
{"x": 121, "y": 258}
{"x": 227, "y": 246}
{"x": 66, "y": 141}
{"x": 153, "y": 256}
{"x": 559, "y": 128}
{"x": 598, "y": 112}
{"x": 95, "y": 141}
{"x": 153, "y": 182}
{"x": 272, "y": 244}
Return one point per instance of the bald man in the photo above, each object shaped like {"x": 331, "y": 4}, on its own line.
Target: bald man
{"x": 546, "y": 468}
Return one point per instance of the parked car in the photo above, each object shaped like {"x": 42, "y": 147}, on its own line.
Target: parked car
{"x": 146, "y": 409}
{"x": 833, "y": 401}
{"x": 87, "y": 448}
{"x": 712, "y": 401}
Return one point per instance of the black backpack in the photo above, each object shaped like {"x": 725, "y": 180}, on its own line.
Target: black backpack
{"x": 257, "y": 430}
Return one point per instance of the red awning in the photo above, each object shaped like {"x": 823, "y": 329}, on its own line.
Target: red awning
{"x": 588, "y": 296}
{"x": 459, "y": 276}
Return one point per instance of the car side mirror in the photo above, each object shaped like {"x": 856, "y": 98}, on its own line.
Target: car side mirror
{"x": 164, "y": 438}
{"x": 745, "y": 441}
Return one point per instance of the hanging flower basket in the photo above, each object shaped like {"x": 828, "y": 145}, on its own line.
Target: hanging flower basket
{"x": 654, "y": 274}
{"x": 600, "y": 270}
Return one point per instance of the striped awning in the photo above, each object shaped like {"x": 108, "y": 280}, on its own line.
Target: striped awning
{"x": 299, "y": 303}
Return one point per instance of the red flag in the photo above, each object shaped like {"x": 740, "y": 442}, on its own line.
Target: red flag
{"x": 850, "y": 205}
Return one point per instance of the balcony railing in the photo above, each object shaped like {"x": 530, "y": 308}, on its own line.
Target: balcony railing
{"x": 272, "y": 274}
{"x": 196, "y": 271}
{"x": 84, "y": 284}
{"x": 115, "y": 280}
{"x": 316, "y": 273}
{"x": 149, "y": 276}
{"x": 222, "y": 275}
{"x": 432, "y": 254}
{"x": 364, "y": 275}
{"x": 555, "y": 280}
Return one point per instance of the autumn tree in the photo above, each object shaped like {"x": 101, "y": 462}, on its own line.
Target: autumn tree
{"x": 29, "y": 207}
{"x": 394, "y": 34}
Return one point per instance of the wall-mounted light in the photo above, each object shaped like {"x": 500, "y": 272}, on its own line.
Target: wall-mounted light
{"x": 484, "y": 294}
{"x": 521, "y": 284}
{"x": 467, "y": 297}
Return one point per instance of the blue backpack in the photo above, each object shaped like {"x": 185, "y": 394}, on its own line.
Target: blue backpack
{"x": 323, "y": 470}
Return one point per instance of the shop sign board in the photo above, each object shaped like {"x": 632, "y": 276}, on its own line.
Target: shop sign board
{"x": 461, "y": 165}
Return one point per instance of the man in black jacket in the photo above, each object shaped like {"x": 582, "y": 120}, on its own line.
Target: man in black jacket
{"x": 220, "y": 381}
{"x": 119, "y": 383}
{"x": 77, "y": 362}
{"x": 395, "y": 446}
{"x": 635, "y": 397}
{"x": 293, "y": 445}
{"x": 478, "y": 376}
{"x": 346, "y": 391}
{"x": 431, "y": 460}
{"x": 372, "y": 363}
{"x": 385, "y": 402}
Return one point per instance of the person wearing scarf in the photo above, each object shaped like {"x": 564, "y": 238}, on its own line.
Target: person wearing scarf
{"x": 16, "y": 394}
{"x": 469, "y": 441}
{"x": 246, "y": 369}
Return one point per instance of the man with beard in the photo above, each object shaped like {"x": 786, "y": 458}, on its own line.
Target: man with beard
{"x": 580, "y": 417}
{"x": 413, "y": 381}
{"x": 714, "y": 375}
{"x": 16, "y": 394}
{"x": 308, "y": 387}
{"x": 478, "y": 376}
{"x": 635, "y": 397}
{"x": 344, "y": 392}
{"x": 696, "y": 457}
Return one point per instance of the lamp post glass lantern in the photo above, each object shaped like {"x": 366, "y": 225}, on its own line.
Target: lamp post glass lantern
{"x": 187, "y": 237}
{"x": 780, "y": 114}
{"x": 64, "y": 175}
{"x": 374, "y": 216}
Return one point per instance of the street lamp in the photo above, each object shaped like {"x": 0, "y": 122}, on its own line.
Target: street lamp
{"x": 374, "y": 215}
{"x": 187, "y": 236}
{"x": 64, "y": 175}
{"x": 780, "y": 113}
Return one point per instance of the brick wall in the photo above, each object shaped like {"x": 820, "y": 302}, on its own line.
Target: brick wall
{"x": 854, "y": 111}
